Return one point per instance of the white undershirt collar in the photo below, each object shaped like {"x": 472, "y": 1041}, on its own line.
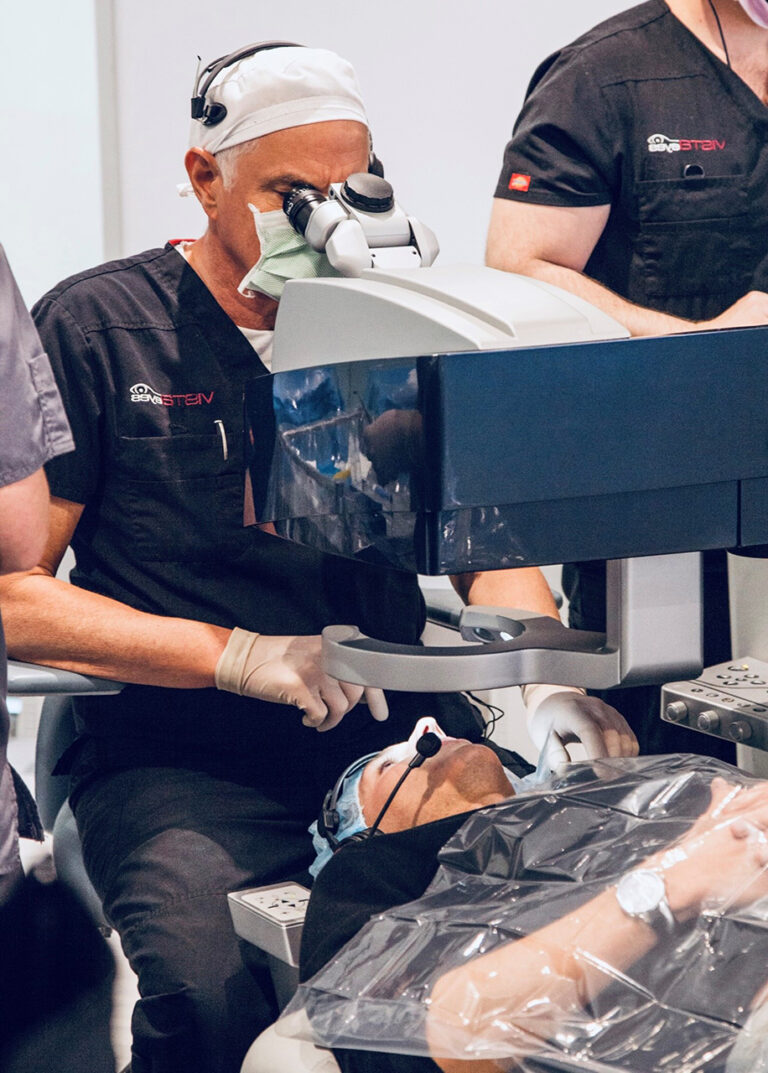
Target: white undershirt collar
{"x": 260, "y": 340}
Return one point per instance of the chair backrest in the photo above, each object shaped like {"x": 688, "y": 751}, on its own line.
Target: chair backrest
{"x": 55, "y": 732}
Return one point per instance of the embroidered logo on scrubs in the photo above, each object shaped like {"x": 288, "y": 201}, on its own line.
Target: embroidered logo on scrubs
{"x": 660, "y": 143}
{"x": 145, "y": 393}
{"x": 519, "y": 182}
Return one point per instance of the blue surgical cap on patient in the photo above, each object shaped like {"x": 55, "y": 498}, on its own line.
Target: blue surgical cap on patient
{"x": 351, "y": 821}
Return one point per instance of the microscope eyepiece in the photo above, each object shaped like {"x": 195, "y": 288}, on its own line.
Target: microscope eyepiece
{"x": 299, "y": 204}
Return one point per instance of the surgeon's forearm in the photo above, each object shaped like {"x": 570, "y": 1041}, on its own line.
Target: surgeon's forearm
{"x": 52, "y": 622}
{"x": 525, "y": 588}
{"x": 517, "y": 996}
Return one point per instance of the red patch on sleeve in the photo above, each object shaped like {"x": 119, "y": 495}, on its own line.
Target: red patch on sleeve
{"x": 519, "y": 182}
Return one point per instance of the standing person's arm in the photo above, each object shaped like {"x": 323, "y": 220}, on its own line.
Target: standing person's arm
{"x": 568, "y": 163}
{"x": 33, "y": 429}
{"x": 23, "y": 522}
{"x": 554, "y": 242}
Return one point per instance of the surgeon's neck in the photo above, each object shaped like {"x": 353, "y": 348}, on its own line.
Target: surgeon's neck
{"x": 222, "y": 277}
{"x": 747, "y": 42}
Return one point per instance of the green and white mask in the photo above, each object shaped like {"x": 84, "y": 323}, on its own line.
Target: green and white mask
{"x": 285, "y": 255}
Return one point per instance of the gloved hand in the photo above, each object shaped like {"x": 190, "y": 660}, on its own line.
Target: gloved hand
{"x": 564, "y": 714}
{"x": 286, "y": 670}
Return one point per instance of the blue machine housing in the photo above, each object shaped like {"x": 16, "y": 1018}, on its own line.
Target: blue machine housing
{"x": 458, "y": 462}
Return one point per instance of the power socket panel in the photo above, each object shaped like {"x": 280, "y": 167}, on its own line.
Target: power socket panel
{"x": 271, "y": 917}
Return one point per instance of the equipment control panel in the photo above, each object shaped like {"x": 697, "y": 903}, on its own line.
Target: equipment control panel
{"x": 729, "y": 700}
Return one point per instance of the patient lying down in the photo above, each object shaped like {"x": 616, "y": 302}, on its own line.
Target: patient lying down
{"x": 613, "y": 917}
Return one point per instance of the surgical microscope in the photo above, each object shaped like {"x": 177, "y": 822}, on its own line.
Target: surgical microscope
{"x": 444, "y": 419}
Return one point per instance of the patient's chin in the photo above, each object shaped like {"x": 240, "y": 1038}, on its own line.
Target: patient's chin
{"x": 475, "y": 772}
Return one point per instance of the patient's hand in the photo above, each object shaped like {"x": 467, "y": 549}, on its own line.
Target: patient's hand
{"x": 723, "y": 860}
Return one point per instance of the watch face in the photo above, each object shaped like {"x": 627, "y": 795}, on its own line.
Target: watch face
{"x": 640, "y": 892}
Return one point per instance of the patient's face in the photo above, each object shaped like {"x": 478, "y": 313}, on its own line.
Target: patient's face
{"x": 461, "y": 776}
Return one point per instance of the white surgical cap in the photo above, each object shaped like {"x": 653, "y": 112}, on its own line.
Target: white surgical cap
{"x": 276, "y": 89}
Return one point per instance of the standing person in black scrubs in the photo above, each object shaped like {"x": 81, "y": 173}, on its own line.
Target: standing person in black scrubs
{"x": 637, "y": 177}
{"x": 201, "y": 776}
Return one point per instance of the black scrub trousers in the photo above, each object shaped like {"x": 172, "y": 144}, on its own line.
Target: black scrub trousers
{"x": 182, "y": 795}
{"x": 639, "y": 115}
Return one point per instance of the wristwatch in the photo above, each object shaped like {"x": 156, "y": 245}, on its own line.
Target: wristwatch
{"x": 642, "y": 894}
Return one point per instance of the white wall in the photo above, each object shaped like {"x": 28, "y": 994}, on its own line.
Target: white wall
{"x": 50, "y": 179}
{"x": 93, "y": 150}
{"x": 443, "y": 80}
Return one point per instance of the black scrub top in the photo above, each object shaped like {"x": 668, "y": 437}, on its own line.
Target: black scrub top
{"x": 638, "y": 114}
{"x": 152, "y": 372}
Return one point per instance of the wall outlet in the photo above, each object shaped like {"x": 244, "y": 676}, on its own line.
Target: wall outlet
{"x": 286, "y": 904}
{"x": 271, "y": 918}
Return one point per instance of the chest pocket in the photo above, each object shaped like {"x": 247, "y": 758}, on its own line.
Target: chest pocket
{"x": 177, "y": 499}
{"x": 695, "y": 237}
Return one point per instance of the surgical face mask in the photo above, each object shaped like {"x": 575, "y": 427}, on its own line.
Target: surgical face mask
{"x": 757, "y": 11}
{"x": 284, "y": 255}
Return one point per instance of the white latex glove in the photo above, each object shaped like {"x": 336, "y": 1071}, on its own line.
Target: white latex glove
{"x": 286, "y": 670}
{"x": 564, "y": 714}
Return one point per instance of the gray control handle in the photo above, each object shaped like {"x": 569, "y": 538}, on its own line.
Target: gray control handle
{"x": 513, "y": 647}
{"x": 653, "y": 614}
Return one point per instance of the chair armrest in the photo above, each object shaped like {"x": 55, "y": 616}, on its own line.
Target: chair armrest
{"x": 36, "y": 680}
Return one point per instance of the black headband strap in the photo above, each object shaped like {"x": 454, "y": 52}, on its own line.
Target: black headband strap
{"x": 199, "y": 108}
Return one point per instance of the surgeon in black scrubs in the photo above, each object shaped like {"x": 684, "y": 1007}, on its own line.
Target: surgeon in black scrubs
{"x": 637, "y": 177}
{"x": 204, "y": 773}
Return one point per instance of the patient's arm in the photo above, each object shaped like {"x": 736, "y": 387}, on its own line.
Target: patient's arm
{"x": 516, "y": 996}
